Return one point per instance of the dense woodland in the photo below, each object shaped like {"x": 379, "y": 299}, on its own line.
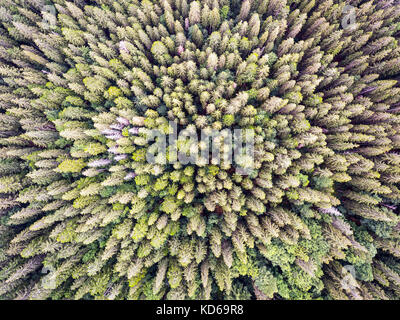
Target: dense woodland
{"x": 83, "y": 215}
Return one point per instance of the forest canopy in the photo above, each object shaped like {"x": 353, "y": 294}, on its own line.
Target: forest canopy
{"x": 314, "y": 214}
